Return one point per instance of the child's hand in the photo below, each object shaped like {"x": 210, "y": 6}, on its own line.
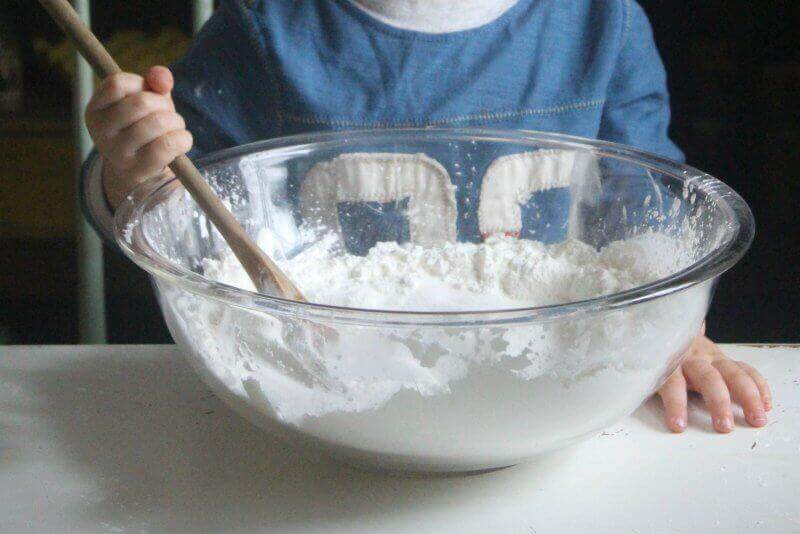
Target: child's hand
{"x": 133, "y": 123}
{"x": 707, "y": 371}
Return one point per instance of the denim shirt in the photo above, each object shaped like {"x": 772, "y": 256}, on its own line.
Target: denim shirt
{"x": 268, "y": 68}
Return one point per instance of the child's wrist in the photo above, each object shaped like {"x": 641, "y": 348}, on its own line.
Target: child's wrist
{"x": 116, "y": 189}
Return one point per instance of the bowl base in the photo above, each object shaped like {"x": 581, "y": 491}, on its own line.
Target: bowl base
{"x": 374, "y": 465}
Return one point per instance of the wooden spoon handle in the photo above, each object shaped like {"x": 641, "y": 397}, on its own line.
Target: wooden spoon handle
{"x": 264, "y": 273}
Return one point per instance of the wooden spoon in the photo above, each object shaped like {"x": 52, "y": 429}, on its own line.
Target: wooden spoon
{"x": 265, "y": 273}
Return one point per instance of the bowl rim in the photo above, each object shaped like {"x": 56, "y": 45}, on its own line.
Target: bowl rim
{"x": 738, "y": 240}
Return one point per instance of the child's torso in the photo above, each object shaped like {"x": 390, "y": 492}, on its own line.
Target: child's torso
{"x": 338, "y": 68}
{"x": 326, "y": 65}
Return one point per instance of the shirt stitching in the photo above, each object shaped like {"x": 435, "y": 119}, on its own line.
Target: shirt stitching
{"x": 627, "y": 13}
{"x": 531, "y": 112}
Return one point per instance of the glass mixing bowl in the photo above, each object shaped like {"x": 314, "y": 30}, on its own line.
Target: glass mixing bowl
{"x": 448, "y": 390}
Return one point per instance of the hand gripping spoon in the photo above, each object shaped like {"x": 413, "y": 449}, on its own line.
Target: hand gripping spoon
{"x": 265, "y": 273}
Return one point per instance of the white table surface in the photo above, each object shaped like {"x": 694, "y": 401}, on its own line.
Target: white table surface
{"x": 127, "y": 439}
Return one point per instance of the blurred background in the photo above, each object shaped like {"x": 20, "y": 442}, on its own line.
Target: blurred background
{"x": 734, "y": 76}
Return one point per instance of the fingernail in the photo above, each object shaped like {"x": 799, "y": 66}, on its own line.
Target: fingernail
{"x": 767, "y": 404}
{"x": 723, "y": 424}
{"x": 679, "y": 423}
{"x": 758, "y": 419}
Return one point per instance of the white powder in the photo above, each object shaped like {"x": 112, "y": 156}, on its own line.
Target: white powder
{"x": 515, "y": 388}
{"x": 500, "y": 273}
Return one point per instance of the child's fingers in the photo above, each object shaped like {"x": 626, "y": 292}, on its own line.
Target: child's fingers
{"x": 761, "y": 384}
{"x": 133, "y": 108}
{"x": 147, "y": 130}
{"x": 115, "y": 88}
{"x": 160, "y": 80}
{"x": 706, "y": 379}
{"x": 743, "y": 390}
{"x": 153, "y": 157}
{"x": 673, "y": 396}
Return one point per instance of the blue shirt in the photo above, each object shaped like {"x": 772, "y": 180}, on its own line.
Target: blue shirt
{"x": 267, "y": 68}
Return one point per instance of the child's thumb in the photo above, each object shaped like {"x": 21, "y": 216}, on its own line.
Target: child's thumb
{"x": 159, "y": 80}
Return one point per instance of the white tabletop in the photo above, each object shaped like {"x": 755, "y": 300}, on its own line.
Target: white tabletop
{"x": 127, "y": 439}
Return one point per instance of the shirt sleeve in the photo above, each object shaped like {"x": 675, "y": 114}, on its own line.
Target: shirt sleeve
{"x": 637, "y": 109}
{"x": 223, "y": 89}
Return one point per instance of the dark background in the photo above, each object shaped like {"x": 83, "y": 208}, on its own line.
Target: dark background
{"x": 734, "y": 77}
